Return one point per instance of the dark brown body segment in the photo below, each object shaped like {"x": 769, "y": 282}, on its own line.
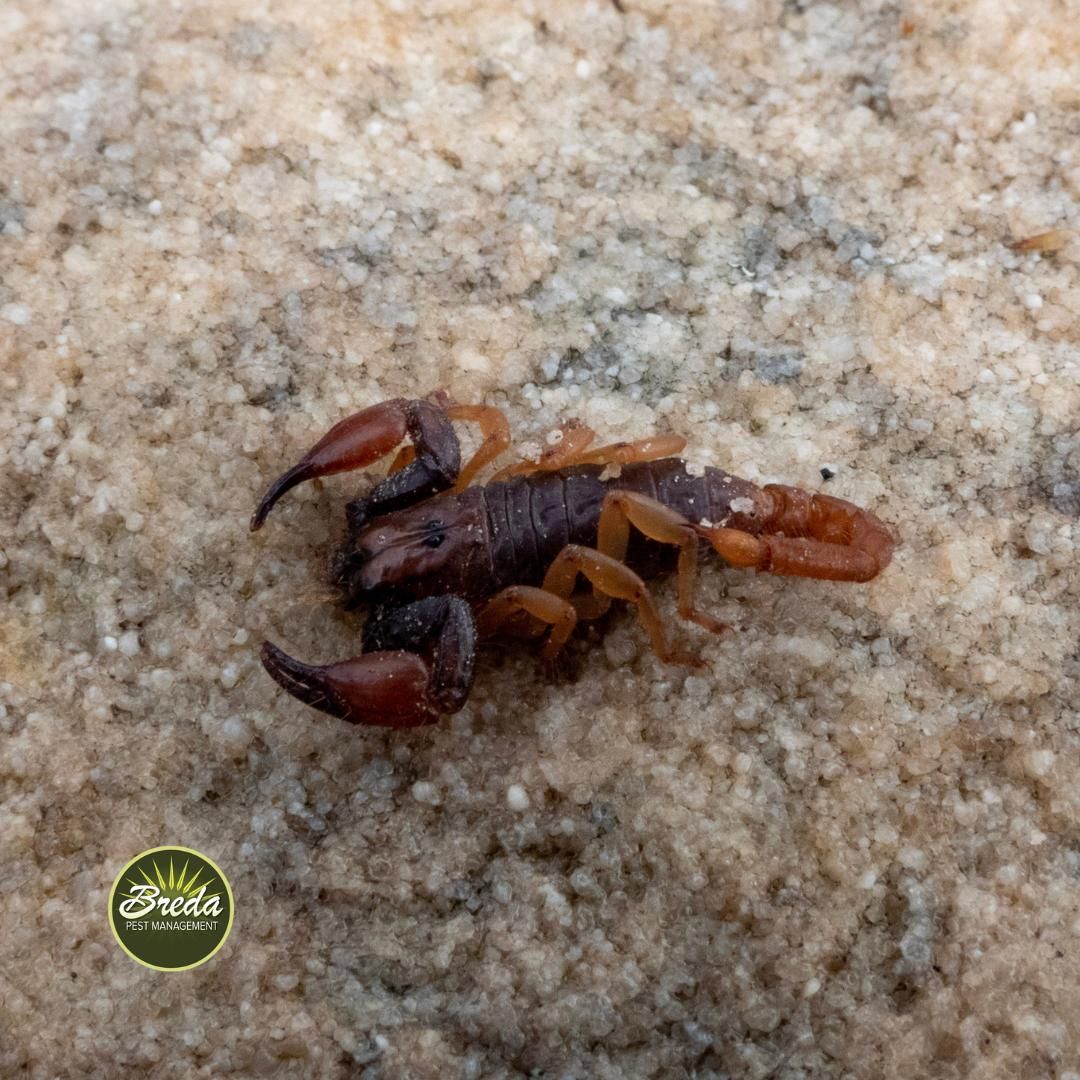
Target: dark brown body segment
{"x": 532, "y": 518}
{"x": 528, "y": 520}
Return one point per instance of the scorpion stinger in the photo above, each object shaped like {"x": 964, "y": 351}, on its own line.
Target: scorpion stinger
{"x": 366, "y": 436}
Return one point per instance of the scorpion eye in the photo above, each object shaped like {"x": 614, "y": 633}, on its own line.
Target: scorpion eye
{"x": 435, "y": 535}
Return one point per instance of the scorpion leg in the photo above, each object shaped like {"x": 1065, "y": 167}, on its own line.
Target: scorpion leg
{"x": 418, "y": 663}
{"x": 493, "y": 426}
{"x": 805, "y": 535}
{"x": 611, "y": 577}
{"x": 622, "y": 509}
{"x": 366, "y": 436}
{"x": 495, "y": 429}
{"x": 405, "y": 456}
{"x": 627, "y": 453}
{"x": 553, "y": 610}
{"x": 575, "y": 438}
{"x": 573, "y": 449}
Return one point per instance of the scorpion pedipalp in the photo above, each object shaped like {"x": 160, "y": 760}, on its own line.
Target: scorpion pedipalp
{"x": 418, "y": 664}
{"x": 361, "y": 439}
{"x": 387, "y": 689}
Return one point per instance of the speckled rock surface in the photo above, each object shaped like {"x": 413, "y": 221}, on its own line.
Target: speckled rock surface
{"x": 849, "y": 846}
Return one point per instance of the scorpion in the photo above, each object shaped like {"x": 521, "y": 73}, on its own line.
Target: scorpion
{"x": 443, "y": 564}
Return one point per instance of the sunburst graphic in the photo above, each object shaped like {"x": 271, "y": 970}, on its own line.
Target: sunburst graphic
{"x": 172, "y": 886}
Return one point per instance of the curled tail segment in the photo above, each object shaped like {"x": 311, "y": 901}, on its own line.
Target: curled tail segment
{"x": 807, "y": 535}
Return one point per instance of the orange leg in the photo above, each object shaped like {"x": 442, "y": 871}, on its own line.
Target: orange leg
{"x": 496, "y": 432}
{"x": 658, "y": 522}
{"x": 405, "y": 456}
{"x": 626, "y": 453}
{"x": 553, "y": 610}
{"x": 494, "y": 428}
{"x": 573, "y": 449}
{"x": 611, "y": 577}
{"x": 806, "y": 535}
{"x": 575, "y": 438}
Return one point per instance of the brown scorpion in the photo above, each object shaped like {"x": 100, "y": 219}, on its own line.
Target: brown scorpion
{"x": 442, "y": 564}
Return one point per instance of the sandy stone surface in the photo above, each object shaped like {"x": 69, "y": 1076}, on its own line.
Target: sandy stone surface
{"x": 847, "y": 847}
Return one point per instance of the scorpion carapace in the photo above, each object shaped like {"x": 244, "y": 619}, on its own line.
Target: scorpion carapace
{"x": 442, "y": 563}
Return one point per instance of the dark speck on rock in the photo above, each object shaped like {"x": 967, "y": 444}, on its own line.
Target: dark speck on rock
{"x": 774, "y": 369}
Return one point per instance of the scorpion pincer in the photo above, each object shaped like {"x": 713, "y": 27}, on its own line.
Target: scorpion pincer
{"x": 441, "y": 563}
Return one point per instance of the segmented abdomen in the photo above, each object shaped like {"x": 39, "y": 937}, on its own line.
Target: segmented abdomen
{"x": 532, "y": 518}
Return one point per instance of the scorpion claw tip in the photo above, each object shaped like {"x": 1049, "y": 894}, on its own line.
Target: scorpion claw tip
{"x": 285, "y": 482}
{"x": 304, "y": 682}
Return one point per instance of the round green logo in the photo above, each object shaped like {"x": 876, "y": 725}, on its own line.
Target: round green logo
{"x": 171, "y": 908}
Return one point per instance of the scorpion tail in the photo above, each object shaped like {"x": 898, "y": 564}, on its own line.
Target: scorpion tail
{"x": 808, "y": 535}
{"x": 380, "y": 689}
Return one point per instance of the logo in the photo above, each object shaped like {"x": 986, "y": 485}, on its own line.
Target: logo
{"x": 171, "y": 908}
